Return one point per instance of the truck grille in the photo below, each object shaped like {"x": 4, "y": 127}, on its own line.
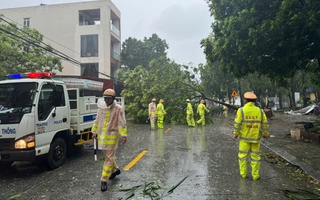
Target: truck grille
{"x": 6, "y": 144}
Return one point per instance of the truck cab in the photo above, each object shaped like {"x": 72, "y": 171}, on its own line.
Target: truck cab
{"x": 35, "y": 119}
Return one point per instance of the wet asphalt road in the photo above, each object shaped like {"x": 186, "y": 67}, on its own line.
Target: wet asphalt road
{"x": 205, "y": 155}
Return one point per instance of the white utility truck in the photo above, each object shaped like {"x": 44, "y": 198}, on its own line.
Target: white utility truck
{"x": 41, "y": 117}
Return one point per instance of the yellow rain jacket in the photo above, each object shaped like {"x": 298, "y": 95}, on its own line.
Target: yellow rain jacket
{"x": 253, "y": 125}
{"x": 189, "y": 109}
{"x": 108, "y": 128}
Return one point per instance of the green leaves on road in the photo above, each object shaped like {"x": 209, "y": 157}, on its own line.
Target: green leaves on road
{"x": 150, "y": 189}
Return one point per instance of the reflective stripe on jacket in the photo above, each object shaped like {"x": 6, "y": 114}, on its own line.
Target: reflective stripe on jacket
{"x": 109, "y": 124}
{"x": 251, "y": 123}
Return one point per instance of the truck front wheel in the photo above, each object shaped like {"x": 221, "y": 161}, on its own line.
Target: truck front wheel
{"x": 57, "y": 153}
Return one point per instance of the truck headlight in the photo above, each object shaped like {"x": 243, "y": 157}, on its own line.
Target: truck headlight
{"x": 26, "y": 142}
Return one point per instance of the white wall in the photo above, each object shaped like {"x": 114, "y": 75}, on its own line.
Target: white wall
{"x": 59, "y": 23}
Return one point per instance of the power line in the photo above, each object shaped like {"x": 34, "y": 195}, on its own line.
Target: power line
{"x": 55, "y": 51}
{"x": 47, "y": 47}
{"x": 34, "y": 44}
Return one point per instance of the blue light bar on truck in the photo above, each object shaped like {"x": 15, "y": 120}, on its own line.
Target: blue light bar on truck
{"x": 30, "y": 75}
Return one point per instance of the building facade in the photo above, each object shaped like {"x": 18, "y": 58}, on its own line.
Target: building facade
{"x": 88, "y": 32}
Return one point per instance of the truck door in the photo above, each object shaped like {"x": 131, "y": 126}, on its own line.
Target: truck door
{"x": 52, "y": 110}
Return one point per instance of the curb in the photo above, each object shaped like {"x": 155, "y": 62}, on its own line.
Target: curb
{"x": 315, "y": 174}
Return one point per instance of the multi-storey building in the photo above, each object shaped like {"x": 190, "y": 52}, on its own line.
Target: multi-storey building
{"x": 88, "y": 32}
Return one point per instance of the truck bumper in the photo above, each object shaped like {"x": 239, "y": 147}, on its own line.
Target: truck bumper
{"x": 11, "y": 156}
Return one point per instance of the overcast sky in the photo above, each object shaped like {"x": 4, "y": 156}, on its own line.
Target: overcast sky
{"x": 182, "y": 23}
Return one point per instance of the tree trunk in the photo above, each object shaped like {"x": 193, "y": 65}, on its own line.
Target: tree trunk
{"x": 292, "y": 98}
{"x": 304, "y": 92}
{"x": 240, "y": 93}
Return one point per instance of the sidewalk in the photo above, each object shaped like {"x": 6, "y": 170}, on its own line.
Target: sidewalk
{"x": 303, "y": 153}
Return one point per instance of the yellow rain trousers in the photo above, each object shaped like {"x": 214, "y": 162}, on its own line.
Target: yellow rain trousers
{"x": 246, "y": 149}
{"x": 250, "y": 124}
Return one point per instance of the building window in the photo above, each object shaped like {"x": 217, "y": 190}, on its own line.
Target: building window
{"x": 89, "y": 45}
{"x": 90, "y": 69}
{"x": 89, "y": 17}
{"x": 26, "y": 22}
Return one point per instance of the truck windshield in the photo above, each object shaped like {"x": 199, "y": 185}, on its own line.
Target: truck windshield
{"x": 17, "y": 98}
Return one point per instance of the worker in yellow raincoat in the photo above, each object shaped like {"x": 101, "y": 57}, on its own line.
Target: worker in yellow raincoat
{"x": 160, "y": 114}
{"x": 225, "y": 109}
{"x": 201, "y": 112}
{"x": 109, "y": 124}
{"x": 152, "y": 109}
{"x": 190, "y": 115}
{"x": 250, "y": 124}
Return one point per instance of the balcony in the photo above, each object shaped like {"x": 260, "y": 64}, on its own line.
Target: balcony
{"x": 115, "y": 30}
{"x": 115, "y": 56}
